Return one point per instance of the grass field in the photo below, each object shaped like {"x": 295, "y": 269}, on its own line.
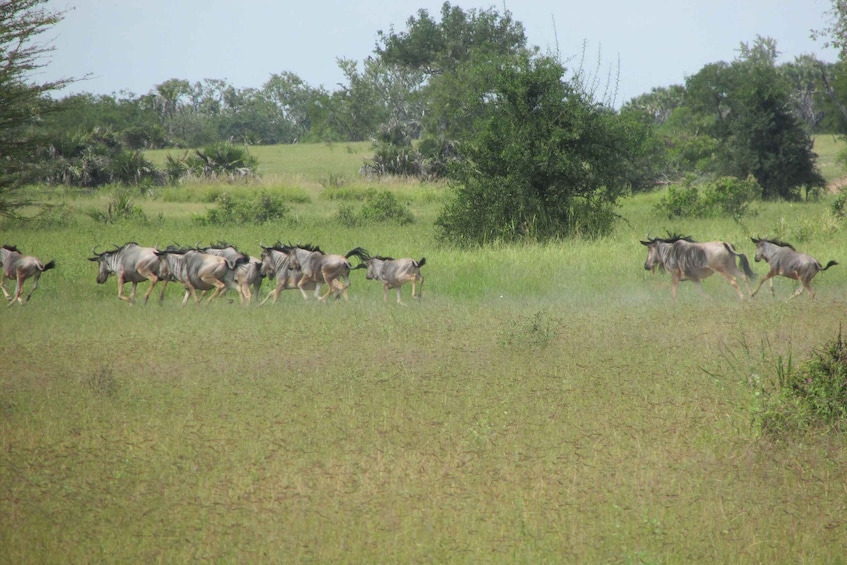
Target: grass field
{"x": 541, "y": 403}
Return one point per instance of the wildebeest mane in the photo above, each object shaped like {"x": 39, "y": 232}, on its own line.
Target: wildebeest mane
{"x": 779, "y": 243}
{"x": 381, "y": 258}
{"x": 8, "y": 247}
{"x": 674, "y": 237}
{"x": 310, "y": 247}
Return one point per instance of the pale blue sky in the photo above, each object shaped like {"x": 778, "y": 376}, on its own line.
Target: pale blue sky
{"x": 134, "y": 45}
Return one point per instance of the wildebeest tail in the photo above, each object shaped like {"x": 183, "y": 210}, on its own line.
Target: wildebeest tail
{"x": 49, "y": 265}
{"x": 422, "y": 262}
{"x": 745, "y": 264}
{"x": 828, "y": 265}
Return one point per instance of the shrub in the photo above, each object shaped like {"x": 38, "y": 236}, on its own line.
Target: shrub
{"x": 120, "y": 207}
{"x": 259, "y": 210}
{"x": 726, "y": 196}
{"x": 378, "y": 206}
{"x": 811, "y": 396}
{"x": 220, "y": 161}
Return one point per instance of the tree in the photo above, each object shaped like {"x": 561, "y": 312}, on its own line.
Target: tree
{"x": 544, "y": 160}
{"x": 22, "y": 102}
{"x": 746, "y": 107}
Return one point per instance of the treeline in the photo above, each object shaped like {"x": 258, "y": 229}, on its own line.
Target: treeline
{"x": 532, "y": 149}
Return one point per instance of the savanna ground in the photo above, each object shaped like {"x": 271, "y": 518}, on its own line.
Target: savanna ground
{"x": 541, "y": 403}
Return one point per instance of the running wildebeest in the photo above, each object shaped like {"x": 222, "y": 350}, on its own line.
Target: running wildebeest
{"x": 786, "y": 261}
{"x": 132, "y": 264}
{"x": 277, "y": 263}
{"x": 319, "y": 268}
{"x": 20, "y": 267}
{"x": 249, "y": 272}
{"x": 199, "y": 271}
{"x": 394, "y": 273}
{"x": 688, "y": 260}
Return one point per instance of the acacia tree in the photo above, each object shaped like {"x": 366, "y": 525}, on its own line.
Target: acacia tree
{"x": 22, "y": 102}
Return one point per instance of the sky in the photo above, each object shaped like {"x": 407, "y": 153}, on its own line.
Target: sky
{"x": 132, "y": 46}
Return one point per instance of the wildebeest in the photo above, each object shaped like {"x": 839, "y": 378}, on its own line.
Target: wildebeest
{"x": 277, "y": 264}
{"x": 688, "y": 260}
{"x": 786, "y": 261}
{"x": 131, "y": 263}
{"x": 199, "y": 271}
{"x": 248, "y": 273}
{"x": 319, "y": 268}
{"x": 20, "y": 267}
{"x": 394, "y": 273}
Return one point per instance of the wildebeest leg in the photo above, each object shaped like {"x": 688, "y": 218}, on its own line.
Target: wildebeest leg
{"x": 162, "y": 295}
{"x": 35, "y": 278}
{"x": 154, "y": 280}
{"x": 19, "y": 288}
{"x": 770, "y": 277}
{"x": 189, "y": 290}
{"x": 804, "y": 284}
{"x": 274, "y": 292}
{"x": 300, "y": 286}
{"x": 734, "y": 284}
{"x": 399, "y": 288}
{"x": 420, "y": 281}
{"x": 121, "y": 283}
{"x": 674, "y": 285}
{"x": 3, "y": 286}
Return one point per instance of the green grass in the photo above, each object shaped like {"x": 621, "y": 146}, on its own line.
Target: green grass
{"x": 541, "y": 403}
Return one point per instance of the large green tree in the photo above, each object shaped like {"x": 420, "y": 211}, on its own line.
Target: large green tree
{"x": 746, "y": 109}
{"x": 22, "y": 101}
{"x": 544, "y": 161}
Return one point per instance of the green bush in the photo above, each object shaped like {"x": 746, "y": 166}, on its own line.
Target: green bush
{"x": 726, "y": 196}
{"x": 258, "y": 210}
{"x": 812, "y": 396}
{"x": 378, "y": 206}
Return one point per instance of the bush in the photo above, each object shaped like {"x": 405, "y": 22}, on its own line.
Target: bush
{"x": 220, "y": 161}
{"x": 379, "y": 206}
{"x": 726, "y": 196}
{"x": 812, "y": 396}
{"x": 259, "y": 210}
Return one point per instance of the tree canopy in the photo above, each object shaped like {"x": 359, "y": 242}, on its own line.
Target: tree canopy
{"x": 21, "y": 101}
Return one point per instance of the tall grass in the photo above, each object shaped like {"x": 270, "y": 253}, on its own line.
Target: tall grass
{"x": 541, "y": 403}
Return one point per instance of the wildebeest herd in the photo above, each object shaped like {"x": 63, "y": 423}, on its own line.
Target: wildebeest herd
{"x": 221, "y": 267}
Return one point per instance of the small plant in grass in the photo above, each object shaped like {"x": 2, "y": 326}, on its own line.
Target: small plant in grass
{"x": 537, "y": 330}
{"x": 121, "y": 206}
{"x": 811, "y": 396}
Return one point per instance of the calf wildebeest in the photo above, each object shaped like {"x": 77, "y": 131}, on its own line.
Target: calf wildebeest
{"x": 319, "y": 268}
{"x": 249, "y": 272}
{"x": 20, "y": 267}
{"x": 688, "y": 260}
{"x": 394, "y": 273}
{"x": 132, "y": 264}
{"x": 199, "y": 271}
{"x": 786, "y": 261}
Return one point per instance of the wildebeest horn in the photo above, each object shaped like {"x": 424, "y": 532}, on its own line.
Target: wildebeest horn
{"x": 94, "y": 251}
{"x": 262, "y": 244}
{"x": 755, "y": 240}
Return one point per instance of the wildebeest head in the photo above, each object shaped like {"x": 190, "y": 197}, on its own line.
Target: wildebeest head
{"x": 104, "y": 264}
{"x": 656, "y": 246}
